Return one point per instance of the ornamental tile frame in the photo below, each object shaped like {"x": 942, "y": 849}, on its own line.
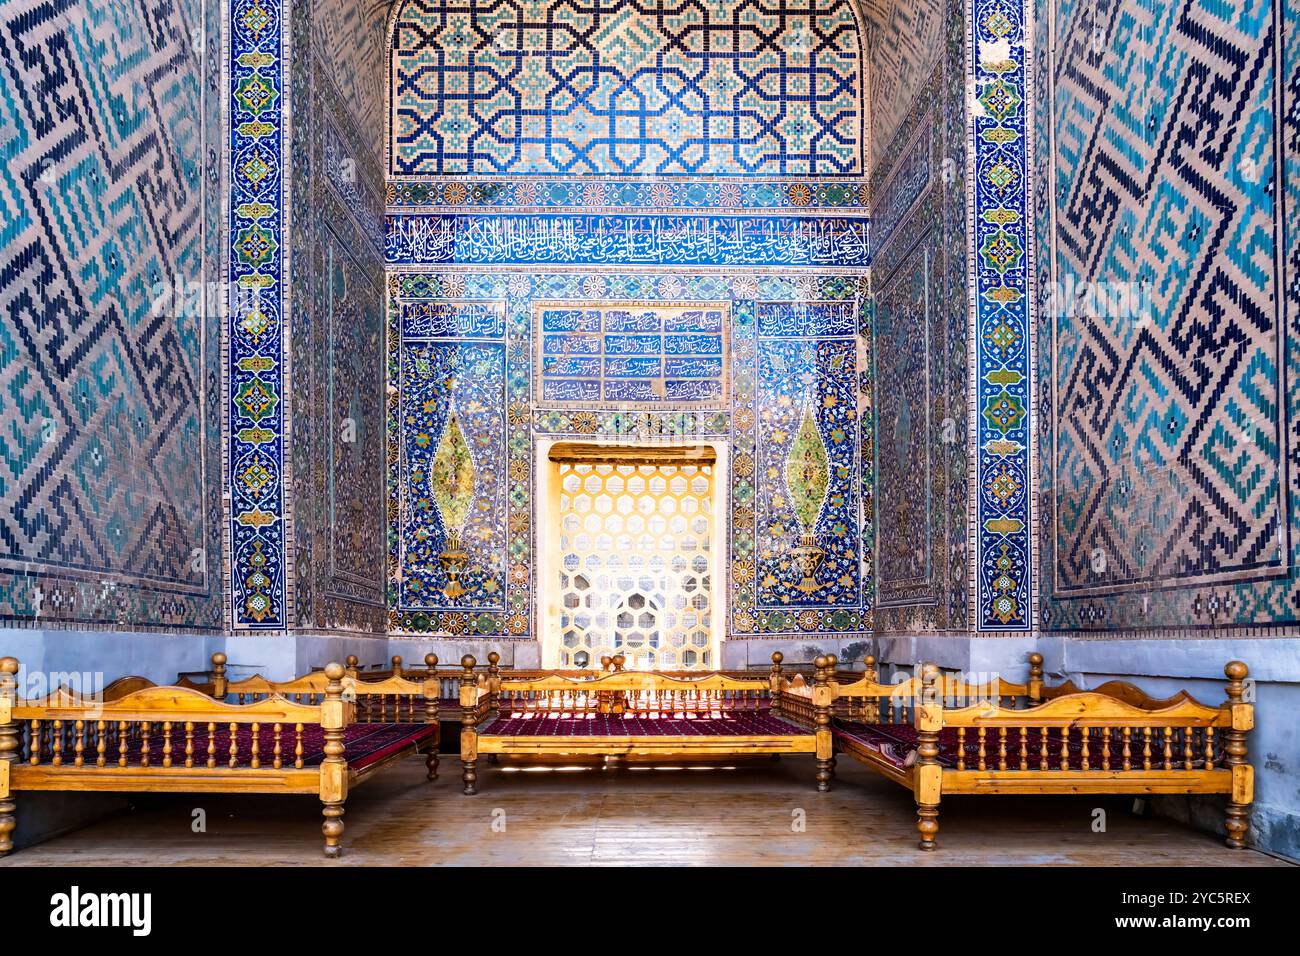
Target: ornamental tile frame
{"x": 1002, "y": 489}
{"x": 514, "y": 296}
{"x": 255, "y": 340}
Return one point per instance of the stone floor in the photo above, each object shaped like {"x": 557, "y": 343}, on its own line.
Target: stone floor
{"x": 747, "y": 815}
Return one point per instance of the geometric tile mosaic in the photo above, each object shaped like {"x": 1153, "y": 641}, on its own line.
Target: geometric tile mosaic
{"x": 615, "y": 87}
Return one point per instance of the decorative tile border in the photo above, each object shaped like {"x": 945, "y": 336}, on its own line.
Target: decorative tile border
{"x": 628, "y": 240}
{"x": 255, "y": 354}
{"x": 579, "y": 194}
{"x": 998, "y": 210}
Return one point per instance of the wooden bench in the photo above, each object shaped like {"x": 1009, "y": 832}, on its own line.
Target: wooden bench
{"x": 937, "y": 735}
{"x": 643, "y": 714}
{"x": 253, "y": 736}
{"x": 449, "y": 678}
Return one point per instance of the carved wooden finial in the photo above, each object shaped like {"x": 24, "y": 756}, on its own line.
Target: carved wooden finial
{"x": 1236, "y": 672}
{"x": 467, "y": 664}
{"x": 494, "y": 662}
{"x": 1035, "y": 677}
{"x": 431, "y": 662}
{"x": 334, "y": 673}
{"x": 353, "y": 662}
{"x": 219, "y": 675}
{"x": 869, "y": 668}
{"x": 605, "y": 661}
{"x": 619, "y": 660}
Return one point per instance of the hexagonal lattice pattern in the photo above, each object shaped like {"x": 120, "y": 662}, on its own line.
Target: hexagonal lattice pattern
{"x": 634, "y": 565}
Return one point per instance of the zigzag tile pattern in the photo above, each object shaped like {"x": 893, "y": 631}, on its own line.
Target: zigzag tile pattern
{"x": 109, "y": 503}
{"x": 1173, "y": 500}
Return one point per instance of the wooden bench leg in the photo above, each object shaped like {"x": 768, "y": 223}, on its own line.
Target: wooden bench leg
{"x": 333, "y": 828}
{"x": 8, "y": 820}
{"x": 825, "y": 773}
{"x": 469, "y": 776}
{"x": 1237, "y": 823}
{"x": 927, "y": 823}
{"x": 431, "y": 763}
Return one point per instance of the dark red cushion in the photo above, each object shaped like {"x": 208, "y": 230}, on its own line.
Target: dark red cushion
{"x": 729, "y": 724}
{"x": 897, "y": 742}
{"x": 363, "y": 745}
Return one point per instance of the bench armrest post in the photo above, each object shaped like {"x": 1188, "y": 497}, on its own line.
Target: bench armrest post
{"x": 334, "y": 768}
{"x": 10, "y": 741}
{"x": 823, "y": 668}
{"x": 928, "y": 716}
{"x": 776, "y": 683}
{"x": 469, "y": 705}
{"x": 1235, "y": 754}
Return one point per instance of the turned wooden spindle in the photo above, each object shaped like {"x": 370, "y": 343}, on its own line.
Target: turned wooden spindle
{"x": 1237, "y": 816}
{"x": 277, "y": 752}
{"x": 468, "y": 719}
{"x": 189, "y": 745}
{"x": 1035, "y": 690}
{"x": 871, "y": 706}
{"x": 219, "y": 682}
{"x": 10, "y": 742}
{"x": 928, "y": 717}
{"x": 431, "y": 666}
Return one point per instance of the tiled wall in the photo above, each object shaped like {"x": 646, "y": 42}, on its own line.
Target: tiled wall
{"x": 110, "y": 482}
{"x": 337, "y": 319}
{"x": 1169, "y": 352}
{"x": 734, "y": 212}
{"x": 920, "y": 313}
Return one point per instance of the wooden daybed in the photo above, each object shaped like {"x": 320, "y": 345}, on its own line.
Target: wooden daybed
{"x": 937, "y": 735}
{"x": 253, "y": 736}
{"x": 633, "y": 713}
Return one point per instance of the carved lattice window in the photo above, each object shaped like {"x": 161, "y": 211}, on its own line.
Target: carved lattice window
{"x": 635, "y": 565}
